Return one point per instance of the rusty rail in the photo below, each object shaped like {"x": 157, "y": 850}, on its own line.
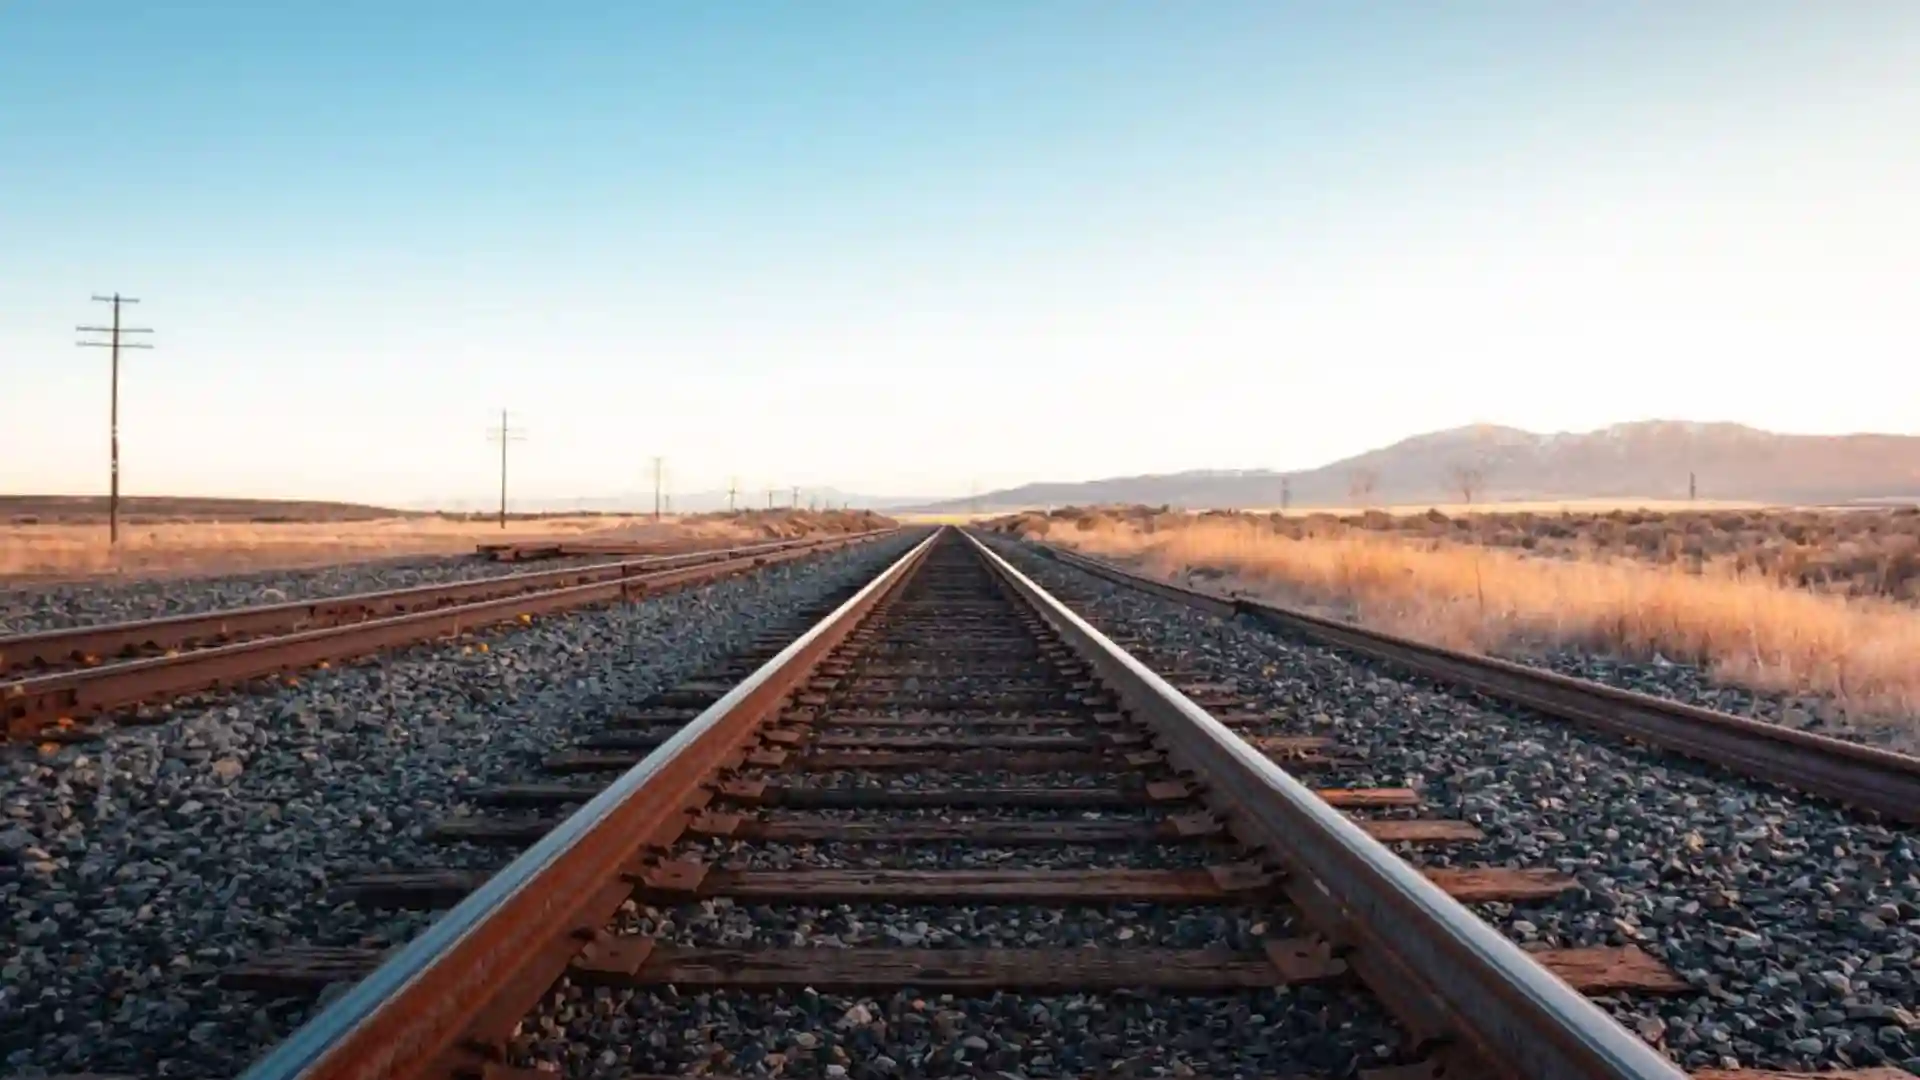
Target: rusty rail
{"x": 1864, "y": 777}
{"x": 30, "y": 705}
{"x": 482, "y": 964}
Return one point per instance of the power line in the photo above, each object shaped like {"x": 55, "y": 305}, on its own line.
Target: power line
{"x": 113, "y": 407}
{"x": 504, "y": 434}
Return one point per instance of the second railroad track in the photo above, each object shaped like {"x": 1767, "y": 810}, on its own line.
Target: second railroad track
{"x": 52, "y": 682}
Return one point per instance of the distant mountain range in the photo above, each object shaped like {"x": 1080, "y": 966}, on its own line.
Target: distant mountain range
{"x": 1649, "y": 459}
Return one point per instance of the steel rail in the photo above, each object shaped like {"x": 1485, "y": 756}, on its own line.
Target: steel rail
{"x": 1452, "y": 979}
{"x": 49, "y": 648}
{"x": 29, "y": 705}
{"x": 435, "y": 1003}
{"x": 1864, "y": 777}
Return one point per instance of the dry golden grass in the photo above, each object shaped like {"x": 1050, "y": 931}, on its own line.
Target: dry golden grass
{"x": 66, "y": 551}
{"x": 1522, "y": 506}
{"x": 1856, "y": 652}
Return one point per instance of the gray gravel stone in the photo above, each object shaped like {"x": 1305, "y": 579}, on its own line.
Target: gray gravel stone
{"x": 133, "y": 868}
{"x": 1296, "y": 1031}
{"x": 725, "y": 924}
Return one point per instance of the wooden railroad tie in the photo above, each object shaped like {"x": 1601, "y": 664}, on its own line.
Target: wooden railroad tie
{"x": 640, "y": 961}
{"x": 520, "y": 832}
{"x": 676, "y": 881}
{"x": 761, "y": 792}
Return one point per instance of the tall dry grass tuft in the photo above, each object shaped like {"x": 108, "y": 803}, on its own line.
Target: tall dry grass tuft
{"x": 1860, "y": 653}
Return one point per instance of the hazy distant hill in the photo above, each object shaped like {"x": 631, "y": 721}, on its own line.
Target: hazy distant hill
{"x": 1648, "y": 459}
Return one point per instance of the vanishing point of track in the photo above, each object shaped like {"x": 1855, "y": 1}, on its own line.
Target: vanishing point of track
{"x": 951, "y": 701}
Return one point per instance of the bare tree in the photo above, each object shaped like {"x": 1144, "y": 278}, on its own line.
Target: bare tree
{"x": 1468, "y": 479}
{"x": 1360, "y": 485}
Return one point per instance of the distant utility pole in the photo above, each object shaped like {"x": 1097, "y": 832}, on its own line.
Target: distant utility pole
{"x": 795, "y": 504}
{"x": 1692, "y": 488}
{"x": 657, "y": 462}
{"x": 733, "y": 488}
{"x": 1286, "y": 493}
{"x": 769, "y": 498}
{"x": 504, "y": 434}
{"x": 113, "y": 342}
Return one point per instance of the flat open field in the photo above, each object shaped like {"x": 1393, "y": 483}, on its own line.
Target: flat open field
{"x": 1791, "y": 602}
{"x": 164, "y": 509}
{"x": 245, "y": 536}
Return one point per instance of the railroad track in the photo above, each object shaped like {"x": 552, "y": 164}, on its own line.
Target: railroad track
{"x": 56, "y": 679}
{"x": 953, "y": 830}
{"x": 1867, "y": 778}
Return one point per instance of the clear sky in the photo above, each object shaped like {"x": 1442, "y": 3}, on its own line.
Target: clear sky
{"x": 903, "y": 247}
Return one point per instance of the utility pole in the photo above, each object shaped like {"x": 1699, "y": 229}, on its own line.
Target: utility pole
{"x": 1286, "y": 493}
{"x": 113, "y": 342}
{"x": 769, "y": 498}
{"x": 795, "y": 505}
{"x": 733, "y": 488}
{"x": 1692, "y": 488}
{"x": 656, "y": 488}
{"x": 504, "y": 434}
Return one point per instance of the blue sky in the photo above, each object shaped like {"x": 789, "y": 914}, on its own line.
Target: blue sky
{"x": 910, "y": 247}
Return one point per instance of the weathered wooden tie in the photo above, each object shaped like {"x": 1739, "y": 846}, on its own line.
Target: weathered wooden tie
{"x": 640, "y": 961}
{"x": 519, "y": 832}
{"x": 679, "y": 880}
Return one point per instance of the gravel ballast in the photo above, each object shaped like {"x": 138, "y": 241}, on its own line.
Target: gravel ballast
{"x": 1296, "y": 1031}
{"x": 1797, "y": 924}
{"x": 135, "y": 867}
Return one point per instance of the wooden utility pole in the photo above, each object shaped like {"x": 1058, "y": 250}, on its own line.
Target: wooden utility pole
{"x": 657, "y": 462}
{"x": 114, "y": 333}
{"x": 733, "y": 488}
{"x": 769, "y": 498}
{"x": 504, "y": 434}
{"x": 1693, "y": 489}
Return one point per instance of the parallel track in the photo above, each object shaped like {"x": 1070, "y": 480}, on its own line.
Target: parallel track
{"x": 952, "y": 702}
{"x": 1866, "y": 778}
{"x": 60, "y": 677}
